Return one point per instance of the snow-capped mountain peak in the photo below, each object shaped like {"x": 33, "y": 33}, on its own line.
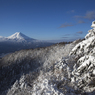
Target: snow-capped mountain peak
{"x": 19, "y": 36}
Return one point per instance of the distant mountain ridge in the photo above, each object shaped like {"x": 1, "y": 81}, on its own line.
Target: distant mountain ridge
{"x": 19, "y": 41}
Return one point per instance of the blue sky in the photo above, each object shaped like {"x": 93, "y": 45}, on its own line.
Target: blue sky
{"x": 62, "y": 20}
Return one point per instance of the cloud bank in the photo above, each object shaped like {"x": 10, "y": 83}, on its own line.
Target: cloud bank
{"x": 90, "y": 15}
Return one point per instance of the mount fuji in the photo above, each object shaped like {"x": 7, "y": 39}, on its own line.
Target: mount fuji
{"x": 18, "y": 36}
{"x": 20, "y": 41}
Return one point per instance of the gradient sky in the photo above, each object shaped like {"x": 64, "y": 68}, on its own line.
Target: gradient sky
{"x": 62, "y": 20}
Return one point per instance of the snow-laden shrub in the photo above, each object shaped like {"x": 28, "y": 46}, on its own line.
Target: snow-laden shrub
{"x": 83, "y": 71}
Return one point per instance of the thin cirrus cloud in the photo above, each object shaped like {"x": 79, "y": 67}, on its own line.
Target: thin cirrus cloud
{"x": 72, "y": 11}
{"x": 79, "y": 32}
{"x": 70, "y": 24}
{"x": 65, "y": 37}
{"x": 81, "y": 21}
{"x": 90, "y": 15}
{"x": 72, "y": 37}
{"x": 66, "y": 25}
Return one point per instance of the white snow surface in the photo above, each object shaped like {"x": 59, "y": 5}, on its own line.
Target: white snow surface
{"x": 50, "y": 82}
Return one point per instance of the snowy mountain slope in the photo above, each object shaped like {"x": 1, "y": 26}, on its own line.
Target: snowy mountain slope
{"x": 42, "y": 71}
{"x": 22, "y": 69}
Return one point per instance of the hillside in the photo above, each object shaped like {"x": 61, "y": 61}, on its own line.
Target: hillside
{"x": 30, "y": 64}
{"x": 61, "y": 69}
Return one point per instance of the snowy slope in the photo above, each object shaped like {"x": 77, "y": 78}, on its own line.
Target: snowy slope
{"x": 33, "y": 72}
{"x": 56, "y": 70}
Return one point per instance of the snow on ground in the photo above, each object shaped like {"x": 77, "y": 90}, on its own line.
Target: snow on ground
{"x": 53, "y": 78}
